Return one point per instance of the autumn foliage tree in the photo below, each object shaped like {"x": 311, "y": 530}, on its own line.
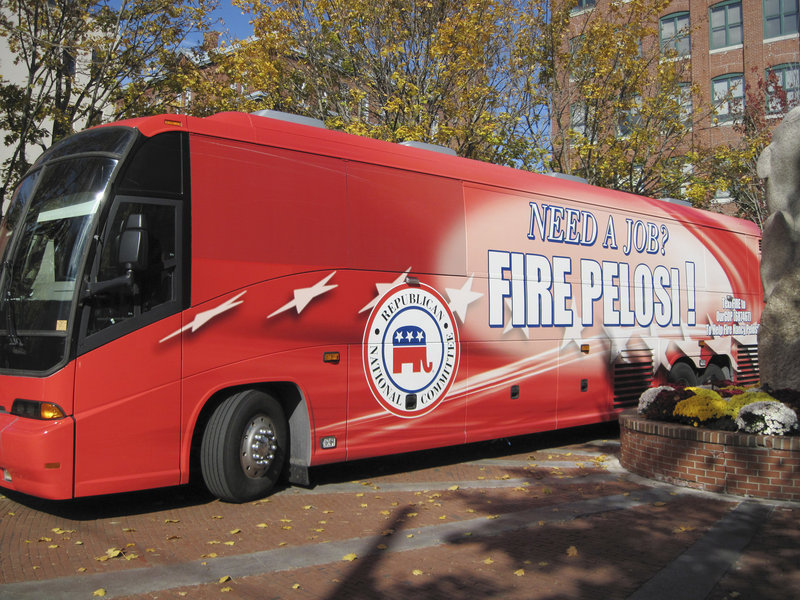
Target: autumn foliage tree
{"x": 621, "y": 103}
{"x": 442, "y": 71}
{"x": 732, "y": 167}
{"x": 83, "y": 61}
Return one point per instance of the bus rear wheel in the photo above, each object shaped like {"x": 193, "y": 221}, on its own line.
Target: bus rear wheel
{"x": 244, "y": 446}
{"x": 682, "y": 374}
{"x": 712, "y": 374}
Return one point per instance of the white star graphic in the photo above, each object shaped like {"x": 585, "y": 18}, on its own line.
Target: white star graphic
{"x": 460, "y": 299}
{"x": 202, "y": 318}
{"x": 383, "y": 288}
{"x": 573, "y": 333}
{"x": 303, "y": 296}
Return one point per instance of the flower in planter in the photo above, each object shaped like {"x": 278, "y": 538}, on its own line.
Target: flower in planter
{"x": 767, "y": 418}
{"x": 650, "y": 394}
{"x": 659, "y": 405}
{"x": 704, "y": 405}
{"x": 735, "y": 403}
{"x": 731, "y": 390}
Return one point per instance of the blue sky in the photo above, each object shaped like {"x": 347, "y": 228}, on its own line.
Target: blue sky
{"x": 235, "y": 23}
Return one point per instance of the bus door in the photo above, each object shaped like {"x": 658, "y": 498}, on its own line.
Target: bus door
{"x": 128, "y": 369}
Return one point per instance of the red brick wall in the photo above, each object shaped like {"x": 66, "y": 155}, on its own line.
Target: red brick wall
{"x": 715, "y": 461}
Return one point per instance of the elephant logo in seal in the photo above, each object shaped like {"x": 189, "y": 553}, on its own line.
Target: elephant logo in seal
{"x": 411, "y": 350}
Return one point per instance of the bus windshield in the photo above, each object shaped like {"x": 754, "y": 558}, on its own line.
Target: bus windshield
{"x": 44, "y": 239}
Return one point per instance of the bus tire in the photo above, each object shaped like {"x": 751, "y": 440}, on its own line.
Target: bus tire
{"x": 244, "y": 446}
{"x": 713, "y": 373}
{"x": 683, "y": 374}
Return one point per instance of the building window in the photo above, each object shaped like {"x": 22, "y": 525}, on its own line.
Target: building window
{"x": 630, "y": 118}
{"x": 685, "y": 101}
{"x": 780, "y": 18}
{"x": 584, "y": 5}
{"x": 728, "y": 94}
{"x": 726, "y": 24}
{"x": 786, "y": 81}
{"x": 578, "y": 116}
{"x": 675, "y": 34}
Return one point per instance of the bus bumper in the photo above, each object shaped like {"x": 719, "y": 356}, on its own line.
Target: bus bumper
{"x": 36, "y": 457}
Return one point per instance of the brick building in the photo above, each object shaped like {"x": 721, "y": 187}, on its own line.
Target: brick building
{"x": 727, "y": 46}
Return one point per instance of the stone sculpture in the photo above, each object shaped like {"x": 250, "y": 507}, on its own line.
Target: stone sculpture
{"x": 779, "y": 334}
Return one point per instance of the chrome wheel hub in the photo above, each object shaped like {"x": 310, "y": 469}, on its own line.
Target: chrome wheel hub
{"x": 259, "y": 446}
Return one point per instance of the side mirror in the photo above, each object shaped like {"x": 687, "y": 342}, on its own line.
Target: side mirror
{"x": 132, "y": 255}
{"x": 133, "y": 247}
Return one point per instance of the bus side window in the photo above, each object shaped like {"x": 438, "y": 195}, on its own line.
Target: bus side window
{"x": 154, "y": 285}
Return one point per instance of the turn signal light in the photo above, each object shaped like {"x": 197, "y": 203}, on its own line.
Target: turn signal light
{"x": 331, "y": 357}
{"x": 37, "y": 410}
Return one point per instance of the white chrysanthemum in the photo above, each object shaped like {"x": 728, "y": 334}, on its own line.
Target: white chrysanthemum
{"x": 650, "y": 394}
{"x": 767, "y": 418}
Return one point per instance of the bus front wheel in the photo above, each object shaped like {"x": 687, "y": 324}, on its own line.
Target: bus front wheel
{"x": 244, "y": 446}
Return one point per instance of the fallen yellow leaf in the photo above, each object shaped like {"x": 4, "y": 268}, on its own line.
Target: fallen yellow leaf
{"x": 262, "y": 525}
{"x": 60, "y": 531}
{"x": 572, "y": 551}
{"x": 453, "y": 488}
{"x": 172, "y": 521}
{"x": 101, "y": 592}
{"x": 226, "y": 589}
{"x": 235, "y": 531}
{"x": 349, "y": 557}
{"x": 417, "y": 572}
{"x": 296, "y": 586}
{"x": 224, "y": 579}
{"x": 488, "y": 561}
{"x": 519, "y": 572}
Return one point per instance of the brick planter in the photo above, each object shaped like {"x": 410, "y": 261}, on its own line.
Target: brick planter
{"x": 763, "y": 466}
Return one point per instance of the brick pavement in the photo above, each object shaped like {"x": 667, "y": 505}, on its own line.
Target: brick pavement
{"x": 549, "y": 516}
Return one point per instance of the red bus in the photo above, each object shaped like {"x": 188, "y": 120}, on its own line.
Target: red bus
{"x": 242, "y": 297}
